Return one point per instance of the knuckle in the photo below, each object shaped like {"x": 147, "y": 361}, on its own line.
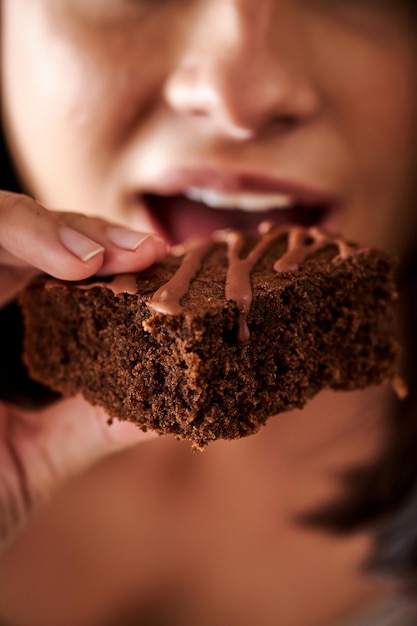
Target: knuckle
{"x": 19, "y": 210}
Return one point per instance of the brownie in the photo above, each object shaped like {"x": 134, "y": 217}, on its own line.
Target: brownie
{"x": 225, "y": 332}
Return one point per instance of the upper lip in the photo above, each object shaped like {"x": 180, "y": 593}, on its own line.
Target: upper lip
{"x": 174, "y": 182}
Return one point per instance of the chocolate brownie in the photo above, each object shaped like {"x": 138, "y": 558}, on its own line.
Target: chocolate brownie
{"x": 225, "y": 332}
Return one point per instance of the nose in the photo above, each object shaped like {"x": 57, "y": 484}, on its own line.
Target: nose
{"x": 241, "y": 70}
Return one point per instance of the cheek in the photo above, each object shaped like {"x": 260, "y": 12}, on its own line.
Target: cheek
{"x": 69, "y": 89}
{"x": 380, "y": 121}
{"x": 369, "y": 89}
{"x": 381, "y": 129}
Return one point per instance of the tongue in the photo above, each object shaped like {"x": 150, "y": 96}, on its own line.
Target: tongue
{"x": 181, "y": 218}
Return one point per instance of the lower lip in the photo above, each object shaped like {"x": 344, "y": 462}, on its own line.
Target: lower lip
{"x": 178, "y": 218}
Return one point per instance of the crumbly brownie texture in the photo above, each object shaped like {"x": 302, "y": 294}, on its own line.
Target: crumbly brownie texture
{"x": 224, "y": 333}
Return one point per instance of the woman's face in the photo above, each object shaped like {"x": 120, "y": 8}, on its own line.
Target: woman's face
{"x": 150, "y": 112}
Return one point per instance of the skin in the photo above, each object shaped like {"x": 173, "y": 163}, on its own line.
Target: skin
{"x": 121, "y": 92}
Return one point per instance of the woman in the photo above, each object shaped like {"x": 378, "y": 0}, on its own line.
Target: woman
{"x": 118, "y": 113}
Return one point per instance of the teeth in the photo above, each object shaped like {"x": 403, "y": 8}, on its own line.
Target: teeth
{"x": 241, "y": 201}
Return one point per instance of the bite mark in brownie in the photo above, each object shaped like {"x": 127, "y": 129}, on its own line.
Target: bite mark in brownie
{"x": 222, "y": 334}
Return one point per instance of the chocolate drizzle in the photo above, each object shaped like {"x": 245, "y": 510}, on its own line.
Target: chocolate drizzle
{"x": 238, "y": 285}
{"x": 167, "y": 299}
{"x": 301, "y": 243}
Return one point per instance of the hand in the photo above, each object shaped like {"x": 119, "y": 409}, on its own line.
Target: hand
{"x": 40, "y": 450}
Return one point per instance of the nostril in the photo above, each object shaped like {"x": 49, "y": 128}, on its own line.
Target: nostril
{"x": 283, "y": 122}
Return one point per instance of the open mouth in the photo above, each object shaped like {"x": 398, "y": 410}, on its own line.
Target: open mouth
{"x": 199, "y": 212}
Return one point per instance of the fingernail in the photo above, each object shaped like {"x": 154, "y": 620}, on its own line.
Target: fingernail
{"x": 81, "y": 246}
{"x": 128, "y": 239}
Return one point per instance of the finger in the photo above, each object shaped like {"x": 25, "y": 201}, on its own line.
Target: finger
{"x": 32, "y": 236}
{"x": 125, "y": 250}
